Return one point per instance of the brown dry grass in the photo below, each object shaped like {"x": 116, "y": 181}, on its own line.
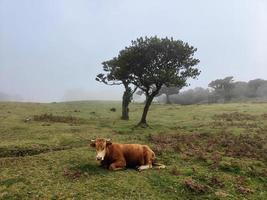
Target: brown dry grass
{"x": 61, "y": 119}
{"x": 213, "y": 146}
{"x": 195, "y": 186}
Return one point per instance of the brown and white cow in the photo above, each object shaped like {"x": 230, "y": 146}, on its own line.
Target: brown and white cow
{"x": 116, "y": 156}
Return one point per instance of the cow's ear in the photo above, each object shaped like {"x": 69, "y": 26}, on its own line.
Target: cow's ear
{"x": 108, "y": 142}
{"x": 92, "y": 144}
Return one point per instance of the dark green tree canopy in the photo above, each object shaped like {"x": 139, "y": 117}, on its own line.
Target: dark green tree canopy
{"x": 160, "y": 61}
{"x": 117, "y": 73}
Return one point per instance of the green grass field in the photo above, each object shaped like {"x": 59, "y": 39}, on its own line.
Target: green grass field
{"x": 211, "y": 151}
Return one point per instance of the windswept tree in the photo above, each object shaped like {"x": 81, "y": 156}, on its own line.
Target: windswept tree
{"x": 223, "y": 87}
{"x": 160, "y": 61}
{"x": 117, "y": 72}
{"x": 192, "y": 96}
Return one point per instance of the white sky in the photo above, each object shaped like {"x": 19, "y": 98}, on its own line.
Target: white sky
{"x": 52, "y": 50}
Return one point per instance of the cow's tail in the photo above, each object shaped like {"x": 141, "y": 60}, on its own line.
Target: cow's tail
{"x": 158, "y": 165}
{"x": 155, "y": 164}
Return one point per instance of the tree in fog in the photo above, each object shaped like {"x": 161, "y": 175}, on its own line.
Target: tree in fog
{"x": 240, "y": 89}
{"x": 262, "y": 90}
{"x": 160, "y": 61}
{"x": 168, "y": 91}
{"x": 223, "y": 88}
{"x": 192, "y": 96}
{"x": 117, "y": 72}
{"x": 253, "y": 86}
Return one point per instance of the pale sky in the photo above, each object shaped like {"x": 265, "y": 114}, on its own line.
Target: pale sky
{"x": 51, "y": 50}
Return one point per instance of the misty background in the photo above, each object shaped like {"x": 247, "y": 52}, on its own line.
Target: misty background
{"x": 53, "y": 50}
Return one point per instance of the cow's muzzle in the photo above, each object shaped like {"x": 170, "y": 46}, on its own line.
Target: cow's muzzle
{"x": 99, "y": 158}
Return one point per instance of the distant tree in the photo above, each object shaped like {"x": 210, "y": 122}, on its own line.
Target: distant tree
{"x": 262, "y": 90}
{"x": 223, "y": 87}
{"x": 253, "y": 86}
{"x": 164, "y": 90}
{"x": 160, "y": 61}
{"x": 118, "y": 73}
{"x": 168, "y": 91}
{"x": 240, "y": 89}
{"x": 139, "y": 92}
{"x": 192, "y": 96}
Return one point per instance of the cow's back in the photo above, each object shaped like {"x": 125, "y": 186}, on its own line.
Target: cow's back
{"x": 133, "y": 154}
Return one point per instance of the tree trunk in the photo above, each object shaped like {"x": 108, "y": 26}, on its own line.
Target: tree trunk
{"x": 168, "y": 99}
{"x": 125, "y": 109}
{"x": 126, "y": 100}
{"x": 143, "y": 122}
{"x": 227, "y": 96}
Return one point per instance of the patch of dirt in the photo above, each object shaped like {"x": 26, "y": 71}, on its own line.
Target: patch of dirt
{"x": 244, "y": 190}
{"x": 241, "y": 180}
{"x": 73, "y": 175}
{"x": 221, "y": 194}
{"x": 61, "y": 119}
{"x": 195, "y": 186}
{"x": 215, "y": 181}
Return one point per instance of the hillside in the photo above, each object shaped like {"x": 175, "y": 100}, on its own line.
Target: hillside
{"x": 213, "y": 151}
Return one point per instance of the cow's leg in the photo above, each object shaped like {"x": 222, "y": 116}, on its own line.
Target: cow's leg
{"x": 143, "y": 167}
{"x": 117, "y": 165}
{"x": 147, "y": 161}
{"x": 104, "y": 164}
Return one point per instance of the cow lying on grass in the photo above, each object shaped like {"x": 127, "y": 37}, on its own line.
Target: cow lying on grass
{"x": 119, "y": 156}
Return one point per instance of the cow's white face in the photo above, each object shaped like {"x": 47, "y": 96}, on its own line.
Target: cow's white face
{"x": 100, "y": 145}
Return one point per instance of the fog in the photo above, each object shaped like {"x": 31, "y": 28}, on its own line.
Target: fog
{"x": 52, "y": 50}
{"x": 220, "y": 91}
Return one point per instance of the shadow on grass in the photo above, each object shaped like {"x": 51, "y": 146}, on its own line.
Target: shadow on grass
{"x": 81, "y": 170}
{"x": 11, "y": 181}
{"x": 90, "y": 169}
{"x": 23, "y": 151}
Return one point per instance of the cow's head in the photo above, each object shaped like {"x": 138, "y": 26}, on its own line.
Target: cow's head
{"x": 100, "y": 145}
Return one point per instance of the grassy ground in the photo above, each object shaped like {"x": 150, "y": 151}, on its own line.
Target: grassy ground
{"x": 211, "y": 151}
